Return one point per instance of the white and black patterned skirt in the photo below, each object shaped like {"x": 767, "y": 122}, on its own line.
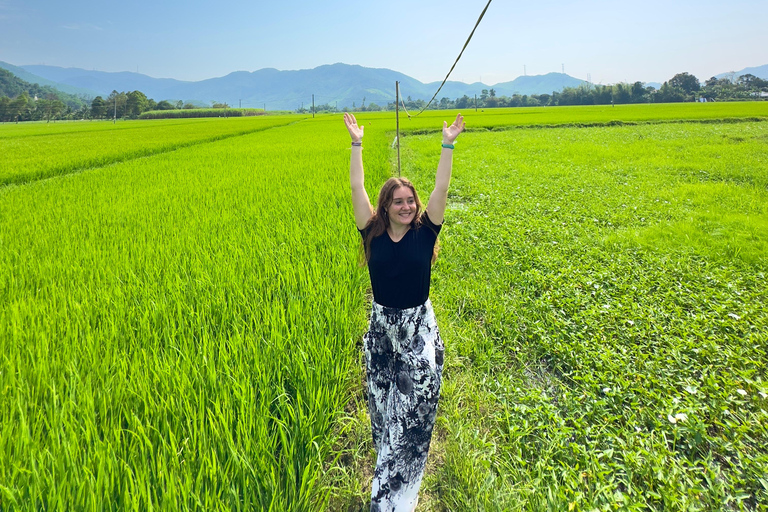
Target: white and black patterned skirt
{"x": 404, "y": 357}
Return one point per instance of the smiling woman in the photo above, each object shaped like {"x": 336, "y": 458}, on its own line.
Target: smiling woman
{"x": 403, "y": 349}
{"x": 402, "y": 208}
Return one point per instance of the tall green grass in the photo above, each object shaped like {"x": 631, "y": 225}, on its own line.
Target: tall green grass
{"x": 32, "y": 152}
{"x": 179, "y": 331}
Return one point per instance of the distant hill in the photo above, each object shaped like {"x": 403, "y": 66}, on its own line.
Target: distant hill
{"x": 103, "y": 83}
{"x": 341, "y": 85}
{"x": 759, "y": 72}
{"x": 34, "y": 79}
{"x": 12, "y": 86}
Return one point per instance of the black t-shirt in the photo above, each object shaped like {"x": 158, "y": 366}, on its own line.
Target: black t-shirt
{"x": 400, "y": 272}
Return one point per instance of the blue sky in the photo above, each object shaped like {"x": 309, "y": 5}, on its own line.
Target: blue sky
{"x": 193, "y": 40}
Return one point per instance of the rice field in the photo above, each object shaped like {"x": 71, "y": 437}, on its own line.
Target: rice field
{"x": 45, "y": 150}
{"x": 181, "y": 310}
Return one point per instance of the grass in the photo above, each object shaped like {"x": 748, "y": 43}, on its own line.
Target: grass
{"x": 41, "y": 151}
{"x": 178, "y": 331}
{"x": 585, "y": 116}
{"x": 181, "y": 312}
{"x": 601, "y": 290}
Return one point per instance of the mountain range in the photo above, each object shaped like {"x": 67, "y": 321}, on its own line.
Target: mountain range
{"x": 340, "y": 85}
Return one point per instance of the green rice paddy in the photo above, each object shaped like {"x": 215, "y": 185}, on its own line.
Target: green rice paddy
{"x": 181, "y": 311}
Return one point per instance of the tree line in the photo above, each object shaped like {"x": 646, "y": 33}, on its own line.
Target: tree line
{"x": 680, "y": 88}
{"x": 121, "y": 105}
{"x": 118, "y": 105}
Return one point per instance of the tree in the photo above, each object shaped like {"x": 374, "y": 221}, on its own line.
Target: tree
{"x": 19, "y": 107}
{"x": 544, "y": 99}
{"x": 463, "y": 102}
{"x": 688, "y": 83}
{"x": 164, "y": 105}
{"x": 136, "y": 103}
{"x": 5, "y": 103}
{"x": 602, "y": 94}
{"x": 752, "y": 83}
{"x": 638, "y": 93}
{"x": 747, "y": 80}
{"x": 116, "y": 104}
{"x": 50, "y": 107}
{"x": 669, "y": 94}
{"x": 719, "y": 88}
{"x": 98, "y": 107}
{"x": 327, "y": 107}
{"x": 492, "y": 93}
{"x": 621, "y": 94}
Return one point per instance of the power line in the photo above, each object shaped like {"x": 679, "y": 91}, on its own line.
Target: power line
{"x": 457, "y": 58}
{"x": 399, "y": 99}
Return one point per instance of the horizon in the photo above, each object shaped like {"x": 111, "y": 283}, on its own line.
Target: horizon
{"x": 595, "y": 41}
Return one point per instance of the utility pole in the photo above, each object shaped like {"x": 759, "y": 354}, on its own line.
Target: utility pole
{"x": 241, "y": 103}
{"x": 397, "y": 123}
{"x": 114, "y": 120}
{"x": 475, "y": 102}
{"x": 313, "y": 106}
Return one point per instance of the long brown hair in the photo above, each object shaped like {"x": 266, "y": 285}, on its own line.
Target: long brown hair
{"x": 379, "y": 222}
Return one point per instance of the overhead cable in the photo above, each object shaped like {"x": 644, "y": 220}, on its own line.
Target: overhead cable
{"x": 457, "y": 58}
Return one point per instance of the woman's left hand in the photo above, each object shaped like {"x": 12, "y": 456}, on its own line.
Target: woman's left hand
{"x": 451, "y": 132}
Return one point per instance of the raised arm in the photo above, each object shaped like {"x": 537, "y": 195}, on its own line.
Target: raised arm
{"x": 439, "y": 196}
{"x": 361, "y": 205}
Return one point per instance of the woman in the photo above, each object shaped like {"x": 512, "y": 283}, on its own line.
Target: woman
{"x": 403, "y": 349}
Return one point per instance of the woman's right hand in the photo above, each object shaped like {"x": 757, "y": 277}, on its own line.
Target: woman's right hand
{"x": 356, "y": 132}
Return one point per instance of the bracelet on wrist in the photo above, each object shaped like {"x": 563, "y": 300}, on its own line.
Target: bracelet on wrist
{"x": 358, "y": 143}
{"x": 447, "y": 146}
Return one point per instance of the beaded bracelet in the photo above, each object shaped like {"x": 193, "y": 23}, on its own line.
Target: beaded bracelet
{"x": 448, "y": 146}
